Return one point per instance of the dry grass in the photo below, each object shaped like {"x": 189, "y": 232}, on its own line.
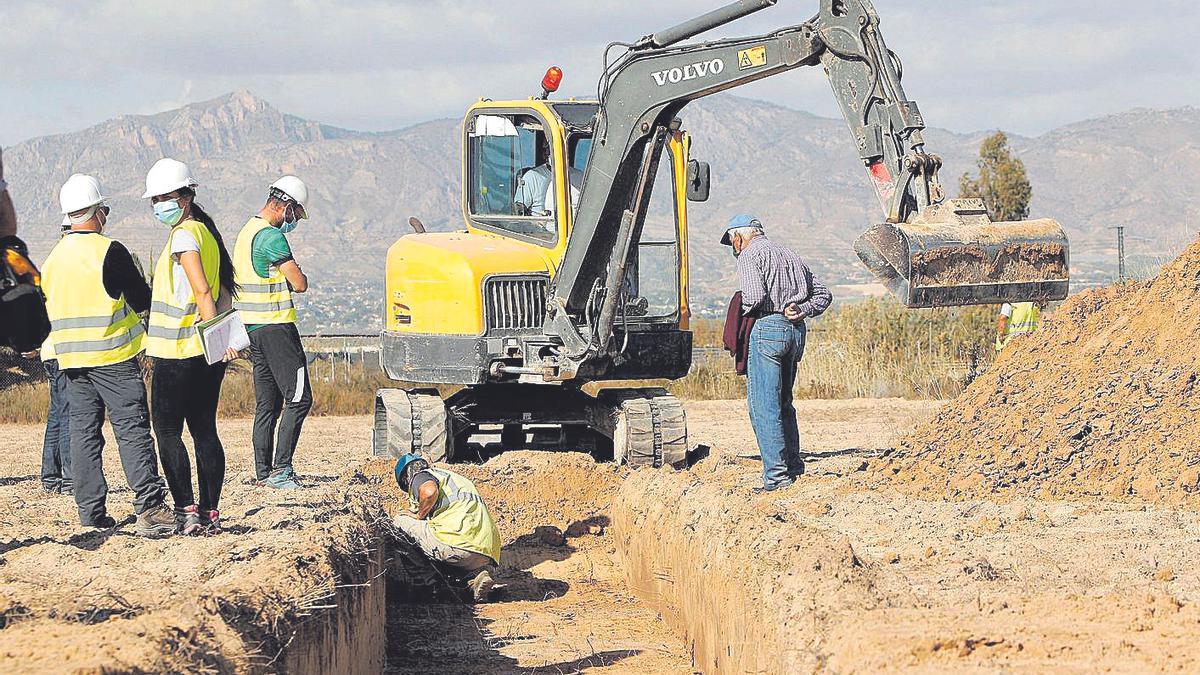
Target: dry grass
{"x": 872, "y": 348}
{"x": 350, "y": 393}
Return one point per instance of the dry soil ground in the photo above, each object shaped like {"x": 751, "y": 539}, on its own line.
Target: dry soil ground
{"x": 971, "y": 586}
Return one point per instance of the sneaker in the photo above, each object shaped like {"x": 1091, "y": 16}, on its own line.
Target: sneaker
{"x": 187, "y": 521}
{"x": 211, "y": 520}
{"x": 156, "y": 521}
{"x": 283, "y": 479}
{"x": 51, "y": 488}
{"x": 481, "y": 586}
{"x": 67, "y": 490}
{"x": 104, "y": 522}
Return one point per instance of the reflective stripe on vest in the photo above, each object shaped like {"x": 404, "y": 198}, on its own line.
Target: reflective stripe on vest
{"x": 261, "y": 299}
{"x": 171, "y": 333}
{"x": 460, "y": 518}
{"x": 87, "y": 327}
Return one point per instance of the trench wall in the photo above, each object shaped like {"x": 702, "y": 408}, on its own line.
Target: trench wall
{"x": 749, "y": 588}
{"x": 349, "y": 638}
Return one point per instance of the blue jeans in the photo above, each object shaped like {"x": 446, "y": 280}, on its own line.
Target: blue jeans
{"x": 56, "y": 445}
{"x": 776, "y": 346}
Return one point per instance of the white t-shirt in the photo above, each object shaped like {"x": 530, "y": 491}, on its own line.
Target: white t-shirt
{"x": 1006, "y": 310}
{"x": 182, "y": 241}
{"x": 531, "y": 190}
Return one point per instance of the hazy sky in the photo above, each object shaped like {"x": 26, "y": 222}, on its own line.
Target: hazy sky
{"x": 1021, "y": 65}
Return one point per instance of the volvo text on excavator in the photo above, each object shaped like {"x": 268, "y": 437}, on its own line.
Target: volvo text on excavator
{"x": 550, "y": 315}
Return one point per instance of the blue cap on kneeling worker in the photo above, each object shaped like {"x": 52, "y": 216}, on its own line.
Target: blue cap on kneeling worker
{"x": 740, "y": 220}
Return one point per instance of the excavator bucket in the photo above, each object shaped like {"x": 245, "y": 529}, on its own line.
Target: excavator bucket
{"x": 953, "y": 254}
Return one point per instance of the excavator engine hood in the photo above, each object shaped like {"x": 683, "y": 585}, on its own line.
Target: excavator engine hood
{"x": 953, "y": 254}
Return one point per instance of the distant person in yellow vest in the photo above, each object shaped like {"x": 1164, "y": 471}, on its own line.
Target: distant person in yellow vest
{"x": 268, "y": 275}
{"x": 1017, "y": 318}
{"x": 449, "y": 522}
{"x": 94, "y": 291}
{"x": 193, "y": 281}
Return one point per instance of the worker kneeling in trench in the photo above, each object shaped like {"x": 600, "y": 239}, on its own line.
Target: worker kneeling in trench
{"x": 449, "y": 522}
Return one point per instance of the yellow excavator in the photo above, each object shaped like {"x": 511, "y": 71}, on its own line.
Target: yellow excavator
{"x": 554, "y": 309}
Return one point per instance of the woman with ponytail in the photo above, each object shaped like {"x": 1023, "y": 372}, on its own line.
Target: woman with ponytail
{"x": 193, "y": 282}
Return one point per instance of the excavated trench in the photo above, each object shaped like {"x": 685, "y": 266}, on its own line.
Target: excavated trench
{"x": 605, "y": 570}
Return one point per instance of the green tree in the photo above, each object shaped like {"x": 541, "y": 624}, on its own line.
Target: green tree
{"x": 1002, "y": 183}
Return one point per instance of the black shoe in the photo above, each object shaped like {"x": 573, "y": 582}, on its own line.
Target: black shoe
{"x": 68, "y": 490}
{"x": 796, "y": 472}
{"x": 51, "y": 488}
{"x": 105, "y": 522}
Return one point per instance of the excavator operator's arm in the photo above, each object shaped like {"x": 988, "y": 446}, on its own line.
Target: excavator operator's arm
{"x": 645, "y": 89}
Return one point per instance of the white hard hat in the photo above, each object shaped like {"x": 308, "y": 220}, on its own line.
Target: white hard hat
{"x": 166, "y": 176}
{"x": 295, "y": 189}
{"x": 78, "y": 193}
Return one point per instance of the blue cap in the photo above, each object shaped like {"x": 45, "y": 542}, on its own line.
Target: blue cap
{"x": 404, "y": 462}
{"x": 740, "y": 220}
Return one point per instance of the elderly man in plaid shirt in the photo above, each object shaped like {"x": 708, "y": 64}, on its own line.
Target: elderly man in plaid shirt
{"x": 779, "y": 292}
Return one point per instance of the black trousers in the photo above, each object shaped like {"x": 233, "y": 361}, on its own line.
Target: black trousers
{"x": 187, "y": 390}
{"x": 119, "y": 390}
{"x": 281, "y": 395}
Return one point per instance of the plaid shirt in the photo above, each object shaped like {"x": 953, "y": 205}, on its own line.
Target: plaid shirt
{"x": 772, "y": 277}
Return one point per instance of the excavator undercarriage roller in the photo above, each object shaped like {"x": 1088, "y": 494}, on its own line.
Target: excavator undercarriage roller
{"x": 953, "y": 254}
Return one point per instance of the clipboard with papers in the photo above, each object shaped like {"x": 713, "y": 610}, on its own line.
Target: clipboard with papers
{"x": 223, "y": 331}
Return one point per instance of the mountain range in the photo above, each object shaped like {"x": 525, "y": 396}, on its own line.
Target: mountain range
{"x": 798, "y": 172}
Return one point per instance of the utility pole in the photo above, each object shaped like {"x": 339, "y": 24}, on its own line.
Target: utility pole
{"x": 1120, "y": 253}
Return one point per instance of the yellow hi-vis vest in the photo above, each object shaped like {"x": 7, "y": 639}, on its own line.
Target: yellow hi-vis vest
{"x": 46, "y": 351}
{"x": 262, "y": 299}
{"x": 1024, "y": 320}
{"x": 171, "y": 333}
{"x": 460, "y": 518}
{"x": 88, "y": 328}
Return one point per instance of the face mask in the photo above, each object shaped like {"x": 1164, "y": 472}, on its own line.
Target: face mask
{"x": 289, "y": 225}
{"x": 168, "y": 212}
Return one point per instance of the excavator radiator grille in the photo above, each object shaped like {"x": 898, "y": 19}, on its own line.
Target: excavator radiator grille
{"x": 514, "y": 303}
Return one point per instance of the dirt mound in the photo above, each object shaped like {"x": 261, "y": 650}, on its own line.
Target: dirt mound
{"x": 1100, "y": 402}
{"x": 269, "y": 594}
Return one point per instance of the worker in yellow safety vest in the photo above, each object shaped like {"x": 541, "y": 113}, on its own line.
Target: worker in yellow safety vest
{"x": 193, "y": 281}
{"x": 450, "y": 523}
{"x": 268, "y": 275}
{"x": 94, "y": 292}
{"x": 1017, "y": 318}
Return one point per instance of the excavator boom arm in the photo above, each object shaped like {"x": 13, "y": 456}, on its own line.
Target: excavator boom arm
{"x": 644, "y": 91}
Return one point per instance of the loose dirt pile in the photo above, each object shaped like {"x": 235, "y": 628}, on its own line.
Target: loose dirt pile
{"x": 1100, "y": 402}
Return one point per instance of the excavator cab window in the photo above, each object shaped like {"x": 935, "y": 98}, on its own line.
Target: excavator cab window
{"x": 510, "y": 171}
{"x": 652, "y": 279}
